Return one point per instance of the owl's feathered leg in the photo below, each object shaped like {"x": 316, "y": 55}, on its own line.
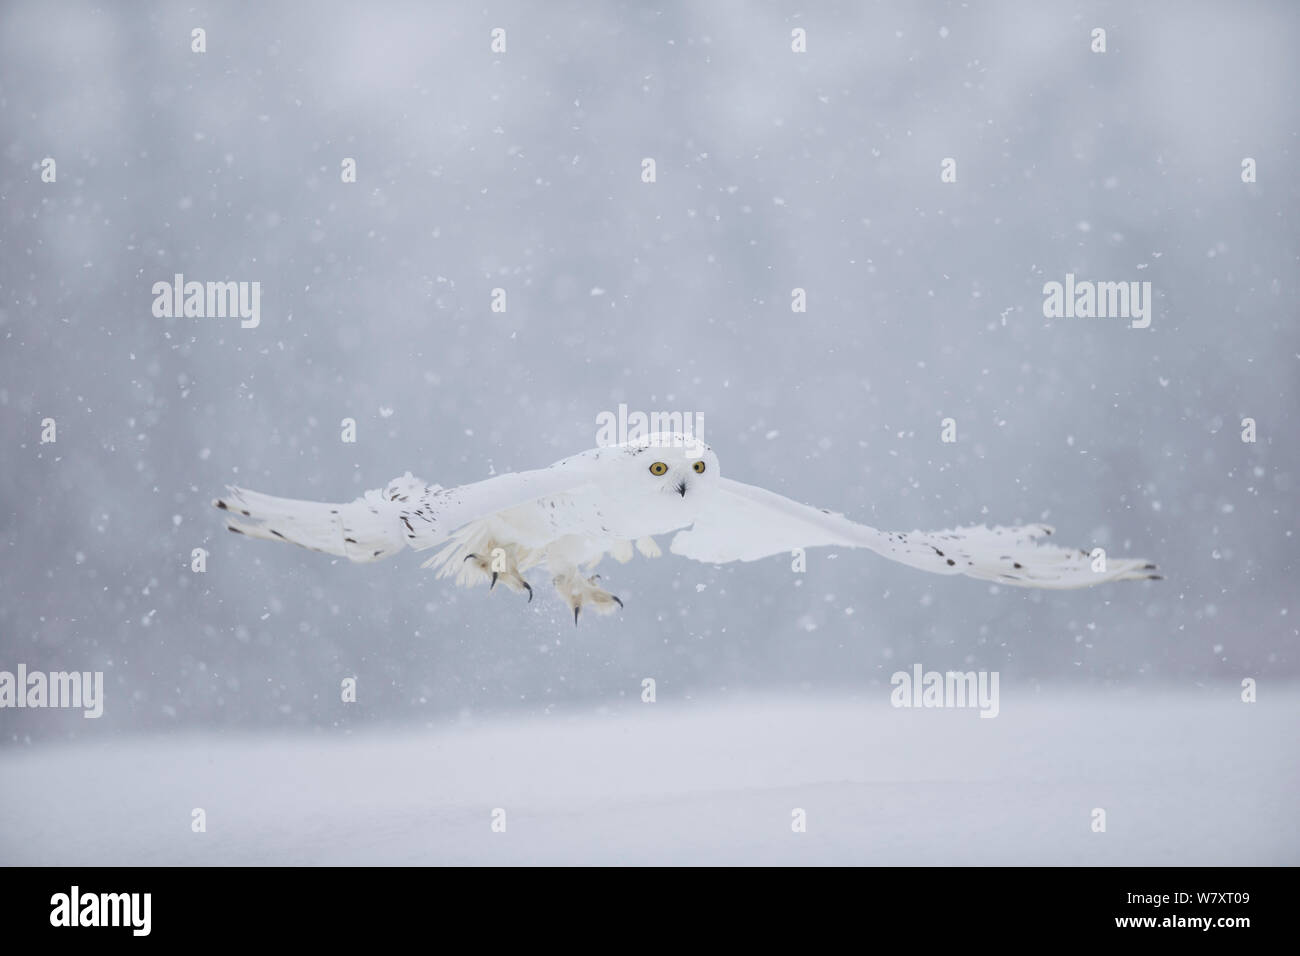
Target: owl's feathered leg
{"x": 571, "y": 560}
{"x": 500, "y": 564}
{"x": 579, "y": 592}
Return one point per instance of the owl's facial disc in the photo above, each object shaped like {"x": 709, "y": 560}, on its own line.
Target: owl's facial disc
{"x": 675, "y": 464}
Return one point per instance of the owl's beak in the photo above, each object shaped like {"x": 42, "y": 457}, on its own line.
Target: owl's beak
{"x": 681, "y": 488}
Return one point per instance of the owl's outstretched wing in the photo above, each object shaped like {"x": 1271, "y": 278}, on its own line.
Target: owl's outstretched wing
{"x": 405, "y": 513}
{"x": 745, "y": 523}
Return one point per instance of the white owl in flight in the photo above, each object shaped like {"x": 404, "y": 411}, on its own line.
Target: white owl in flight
{"x": 612, "y": 500}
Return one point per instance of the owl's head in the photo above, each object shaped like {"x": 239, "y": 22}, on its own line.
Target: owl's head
{"x": 671, "y": 463}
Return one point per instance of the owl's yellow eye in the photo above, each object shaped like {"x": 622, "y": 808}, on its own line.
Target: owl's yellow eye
{"x": 699, "y": 467}
{"x": 659, "y": 468}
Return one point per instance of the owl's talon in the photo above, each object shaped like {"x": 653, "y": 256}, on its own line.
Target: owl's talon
{"x": 509, "y": 575}
{"x": 579, "y": 592}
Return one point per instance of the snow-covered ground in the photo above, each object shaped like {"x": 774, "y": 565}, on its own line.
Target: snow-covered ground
{"x": 1189, "y": 777}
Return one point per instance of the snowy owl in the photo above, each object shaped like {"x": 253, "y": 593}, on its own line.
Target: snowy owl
{"x": 614, "y": 500}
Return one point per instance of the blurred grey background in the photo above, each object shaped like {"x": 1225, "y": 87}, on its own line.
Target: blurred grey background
{"x": 522, "y": 170}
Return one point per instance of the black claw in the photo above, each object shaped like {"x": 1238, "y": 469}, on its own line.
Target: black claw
{"x": 616, "y": 600}
{"x": 468, "y": 556}
{"x": 494, "y": 581}
{"x": 575, "y": 616}
{"x": 530, "y": 592}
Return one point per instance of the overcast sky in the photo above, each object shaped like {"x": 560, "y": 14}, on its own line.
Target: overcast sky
{"x": 522, "y": 170}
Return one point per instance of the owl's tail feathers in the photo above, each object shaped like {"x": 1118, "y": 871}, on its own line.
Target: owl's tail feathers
{"x": 372, "y": 527}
